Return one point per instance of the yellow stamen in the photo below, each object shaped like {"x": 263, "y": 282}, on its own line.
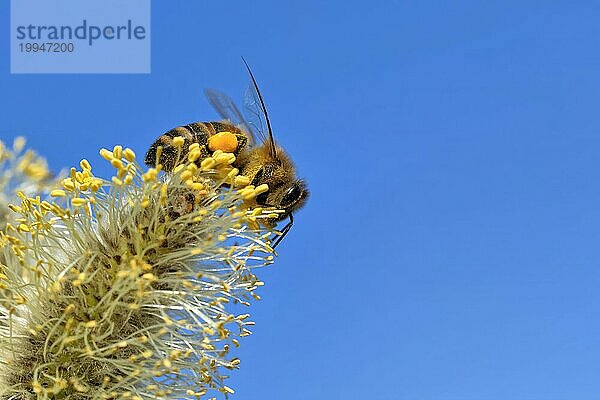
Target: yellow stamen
{"x": 19, "y": 144}
{"x": 106, "y": 154}
{"x": 208, "y": 163}
{"x": 178, "y": 141}
{"x": 241, "y": 181}
{"x": 261, "y": 189}
{"x": 58, "y": 193}
{"x": 78, "y": 202}
{"x": 85, "y": 165}
{"x": 129, "y": 155}
{"x": 118, "y": 152}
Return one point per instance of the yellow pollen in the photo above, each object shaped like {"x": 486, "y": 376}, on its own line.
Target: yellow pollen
{"x": 241, "y": 181}
{"x": 96, "y": 184}
{"x": 208, "y": 163}
{"x": 185, "y": 175}
{"x": 224, "y": 141}
{"x": 68, "y": 184}
{"x": 78, "y": 202}
{"x": 196, "y": 186}
{"x": 261, "y": 189}
{"x": 78, "y": 177}
{"x": 118, "y": 152}
{"x": 150, "y": 175}
{"x": 233, "y": 173}
{"x": 129, "y": 155}
{"x": 224, "y": 158}
{"x": 106, "y": 154}
{"x": 15, "y": 208}
{"x": 193, "y": 168}
{"x": 178, "y": 169}
{"x": 194, "y": 155}
{"x": 58, "y": 193}
{"x": 178, "y": 141}
{"x": 149, "y": 277}
{"x": 85, "y": 165}
{"x": 117, "y": 163}
{"x": 19, "y": 143}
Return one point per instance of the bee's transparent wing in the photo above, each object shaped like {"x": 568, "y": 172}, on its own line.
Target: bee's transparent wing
{"x": 255, "y": 116}
{"x": 229, "y": 111}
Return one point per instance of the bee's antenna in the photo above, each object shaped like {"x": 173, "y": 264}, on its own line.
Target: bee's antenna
{"x": 262, "y": 104}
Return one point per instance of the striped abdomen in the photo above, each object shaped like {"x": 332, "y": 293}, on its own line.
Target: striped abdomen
{"x": 196, "y": 132}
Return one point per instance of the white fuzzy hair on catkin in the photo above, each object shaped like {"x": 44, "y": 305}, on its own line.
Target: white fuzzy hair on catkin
{"x": 121, "y": 288}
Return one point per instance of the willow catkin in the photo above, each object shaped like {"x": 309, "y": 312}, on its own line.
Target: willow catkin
{"x": 122, "y": 288}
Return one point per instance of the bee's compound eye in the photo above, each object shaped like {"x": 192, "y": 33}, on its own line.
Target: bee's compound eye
{"x": 291, "y": 196}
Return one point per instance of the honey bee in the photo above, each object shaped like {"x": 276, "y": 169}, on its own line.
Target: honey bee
{"x": 258, "y": 156}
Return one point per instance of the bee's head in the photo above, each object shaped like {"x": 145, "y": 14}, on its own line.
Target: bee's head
{"x": 286, "y": 191}
{"x": 268, "y": 163}
{"x": 290, "y": 197}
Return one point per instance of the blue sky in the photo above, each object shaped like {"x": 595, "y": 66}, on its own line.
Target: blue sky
{"x": 449, "y": 250}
